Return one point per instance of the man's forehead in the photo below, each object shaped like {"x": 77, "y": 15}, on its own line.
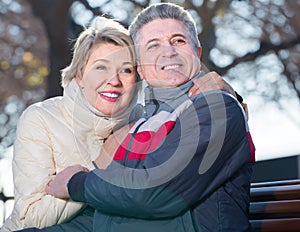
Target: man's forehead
{"x": 162, "y": 28}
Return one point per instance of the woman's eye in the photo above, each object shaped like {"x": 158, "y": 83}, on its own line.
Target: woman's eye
{"x": 126, "y": 70}
{"x": 101, "y": 67}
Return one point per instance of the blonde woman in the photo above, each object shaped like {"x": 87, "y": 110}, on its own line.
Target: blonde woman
{"x": 62, "y": 131}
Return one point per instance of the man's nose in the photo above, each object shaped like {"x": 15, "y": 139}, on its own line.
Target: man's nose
{"x": 169, "y": 50}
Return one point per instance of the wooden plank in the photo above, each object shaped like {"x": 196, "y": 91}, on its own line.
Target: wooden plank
{"x": 283, "y": 192}
{"x": 276, "y": 225}
{"x": 275, "y": 209}
{"x": 275, "y": 183}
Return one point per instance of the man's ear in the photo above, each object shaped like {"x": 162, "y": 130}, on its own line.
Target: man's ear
{"x": 199, "y": 52}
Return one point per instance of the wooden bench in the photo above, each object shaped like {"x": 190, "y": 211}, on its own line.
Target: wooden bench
{"x": 275, "y": 206}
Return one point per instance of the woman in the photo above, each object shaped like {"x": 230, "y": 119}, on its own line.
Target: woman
{"x": 51, "y": 135}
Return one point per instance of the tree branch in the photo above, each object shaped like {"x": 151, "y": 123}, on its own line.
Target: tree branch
{"x": 96, "y": 11}
{"x": 265, "y": 47}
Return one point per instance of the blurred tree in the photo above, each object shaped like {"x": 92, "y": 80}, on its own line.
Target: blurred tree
{"x": 55, "y": 15}
{"x": 255, "y": 42}
{"x": 265, "y": 36}
{"x": 23, "y": 65}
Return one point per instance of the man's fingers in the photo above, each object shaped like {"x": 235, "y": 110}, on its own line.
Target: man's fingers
{"x": 192, "y": 91}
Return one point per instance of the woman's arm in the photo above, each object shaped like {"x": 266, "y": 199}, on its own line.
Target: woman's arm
{"x": 33, "y": 167}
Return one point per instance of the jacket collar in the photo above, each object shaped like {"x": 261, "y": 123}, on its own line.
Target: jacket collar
{"x": 172, "y": 97}
{"x": 85, "y": 118}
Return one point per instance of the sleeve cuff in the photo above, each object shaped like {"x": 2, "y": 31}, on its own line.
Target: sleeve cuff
{"x": 76, "y": 186}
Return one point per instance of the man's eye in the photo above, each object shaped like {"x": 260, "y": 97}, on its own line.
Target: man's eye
{"x": 179, "y": 41}
{"x": 152, "y": 46}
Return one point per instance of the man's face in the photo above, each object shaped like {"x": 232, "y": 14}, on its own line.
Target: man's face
{"x": 167, "y": 58}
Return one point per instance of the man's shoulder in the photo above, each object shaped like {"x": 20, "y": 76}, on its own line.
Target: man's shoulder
{"x": 214, "y": 96}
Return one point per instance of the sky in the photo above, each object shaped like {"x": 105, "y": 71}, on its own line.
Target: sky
{"x": 276, "y": 133}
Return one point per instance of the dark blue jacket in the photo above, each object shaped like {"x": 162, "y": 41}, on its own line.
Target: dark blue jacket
{"x": 184, "y": 166}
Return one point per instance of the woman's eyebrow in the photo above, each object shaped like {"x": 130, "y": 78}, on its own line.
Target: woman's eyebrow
{"x": 128, "y": 63}
{"x": 102, "y": 60}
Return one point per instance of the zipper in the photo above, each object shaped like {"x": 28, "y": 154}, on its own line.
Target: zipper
{"x": 156, "y": 103}
{"x": 130, "y": 143}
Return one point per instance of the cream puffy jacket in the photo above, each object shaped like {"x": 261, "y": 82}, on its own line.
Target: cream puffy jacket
{"x": 52, "y": 135}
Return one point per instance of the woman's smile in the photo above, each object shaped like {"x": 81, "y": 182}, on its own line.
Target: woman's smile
{"x": 111, "y": 96}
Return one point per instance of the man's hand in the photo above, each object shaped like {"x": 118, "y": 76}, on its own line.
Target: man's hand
{"x": 57, "y": 187}
{"x": 210, "y": 81}
{"x": 213, "y": 81}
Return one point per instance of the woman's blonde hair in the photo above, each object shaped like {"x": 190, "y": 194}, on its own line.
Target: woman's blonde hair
{"x": 101, "y": 30}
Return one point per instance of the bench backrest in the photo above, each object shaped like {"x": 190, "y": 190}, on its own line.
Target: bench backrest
{"x": 275, "y": 206}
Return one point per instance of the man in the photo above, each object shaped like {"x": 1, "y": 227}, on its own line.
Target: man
{"x": 184, "y": 166}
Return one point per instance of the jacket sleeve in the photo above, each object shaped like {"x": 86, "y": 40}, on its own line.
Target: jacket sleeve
{"x": 33, "y": 165}
{"x": 207, "y": 146}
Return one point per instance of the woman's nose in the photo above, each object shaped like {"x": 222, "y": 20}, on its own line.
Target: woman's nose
{"x": 114, "y": 80}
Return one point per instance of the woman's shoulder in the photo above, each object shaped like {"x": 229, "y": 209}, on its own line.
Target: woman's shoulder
{"x": 51, "y": 106}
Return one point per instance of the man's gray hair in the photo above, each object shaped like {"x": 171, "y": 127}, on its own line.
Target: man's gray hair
{"x": 164, "y": 11}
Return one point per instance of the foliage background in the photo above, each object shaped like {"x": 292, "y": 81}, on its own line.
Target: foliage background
{"x": 253, "y": 43}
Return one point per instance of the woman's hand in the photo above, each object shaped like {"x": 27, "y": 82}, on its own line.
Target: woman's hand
{"x": 57, "y": 187}
{"x": 210, "y": 81}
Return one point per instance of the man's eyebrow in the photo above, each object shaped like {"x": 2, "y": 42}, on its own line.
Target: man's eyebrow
{"x": 178, "y": 34}
{"x": 174, "y": 35}
{"x": 152, "y": 40}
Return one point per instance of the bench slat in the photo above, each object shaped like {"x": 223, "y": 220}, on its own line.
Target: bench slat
{"x": 271, "y": 193}
{"x": 275, "y": 209}
{"x": 276, "y": 225}
{"x": 275, "y": 183}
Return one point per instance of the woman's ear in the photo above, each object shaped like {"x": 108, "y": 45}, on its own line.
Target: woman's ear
{"x": 79, "y": 82}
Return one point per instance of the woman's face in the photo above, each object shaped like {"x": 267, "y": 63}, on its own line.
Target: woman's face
{"x": 108, "y": 78}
